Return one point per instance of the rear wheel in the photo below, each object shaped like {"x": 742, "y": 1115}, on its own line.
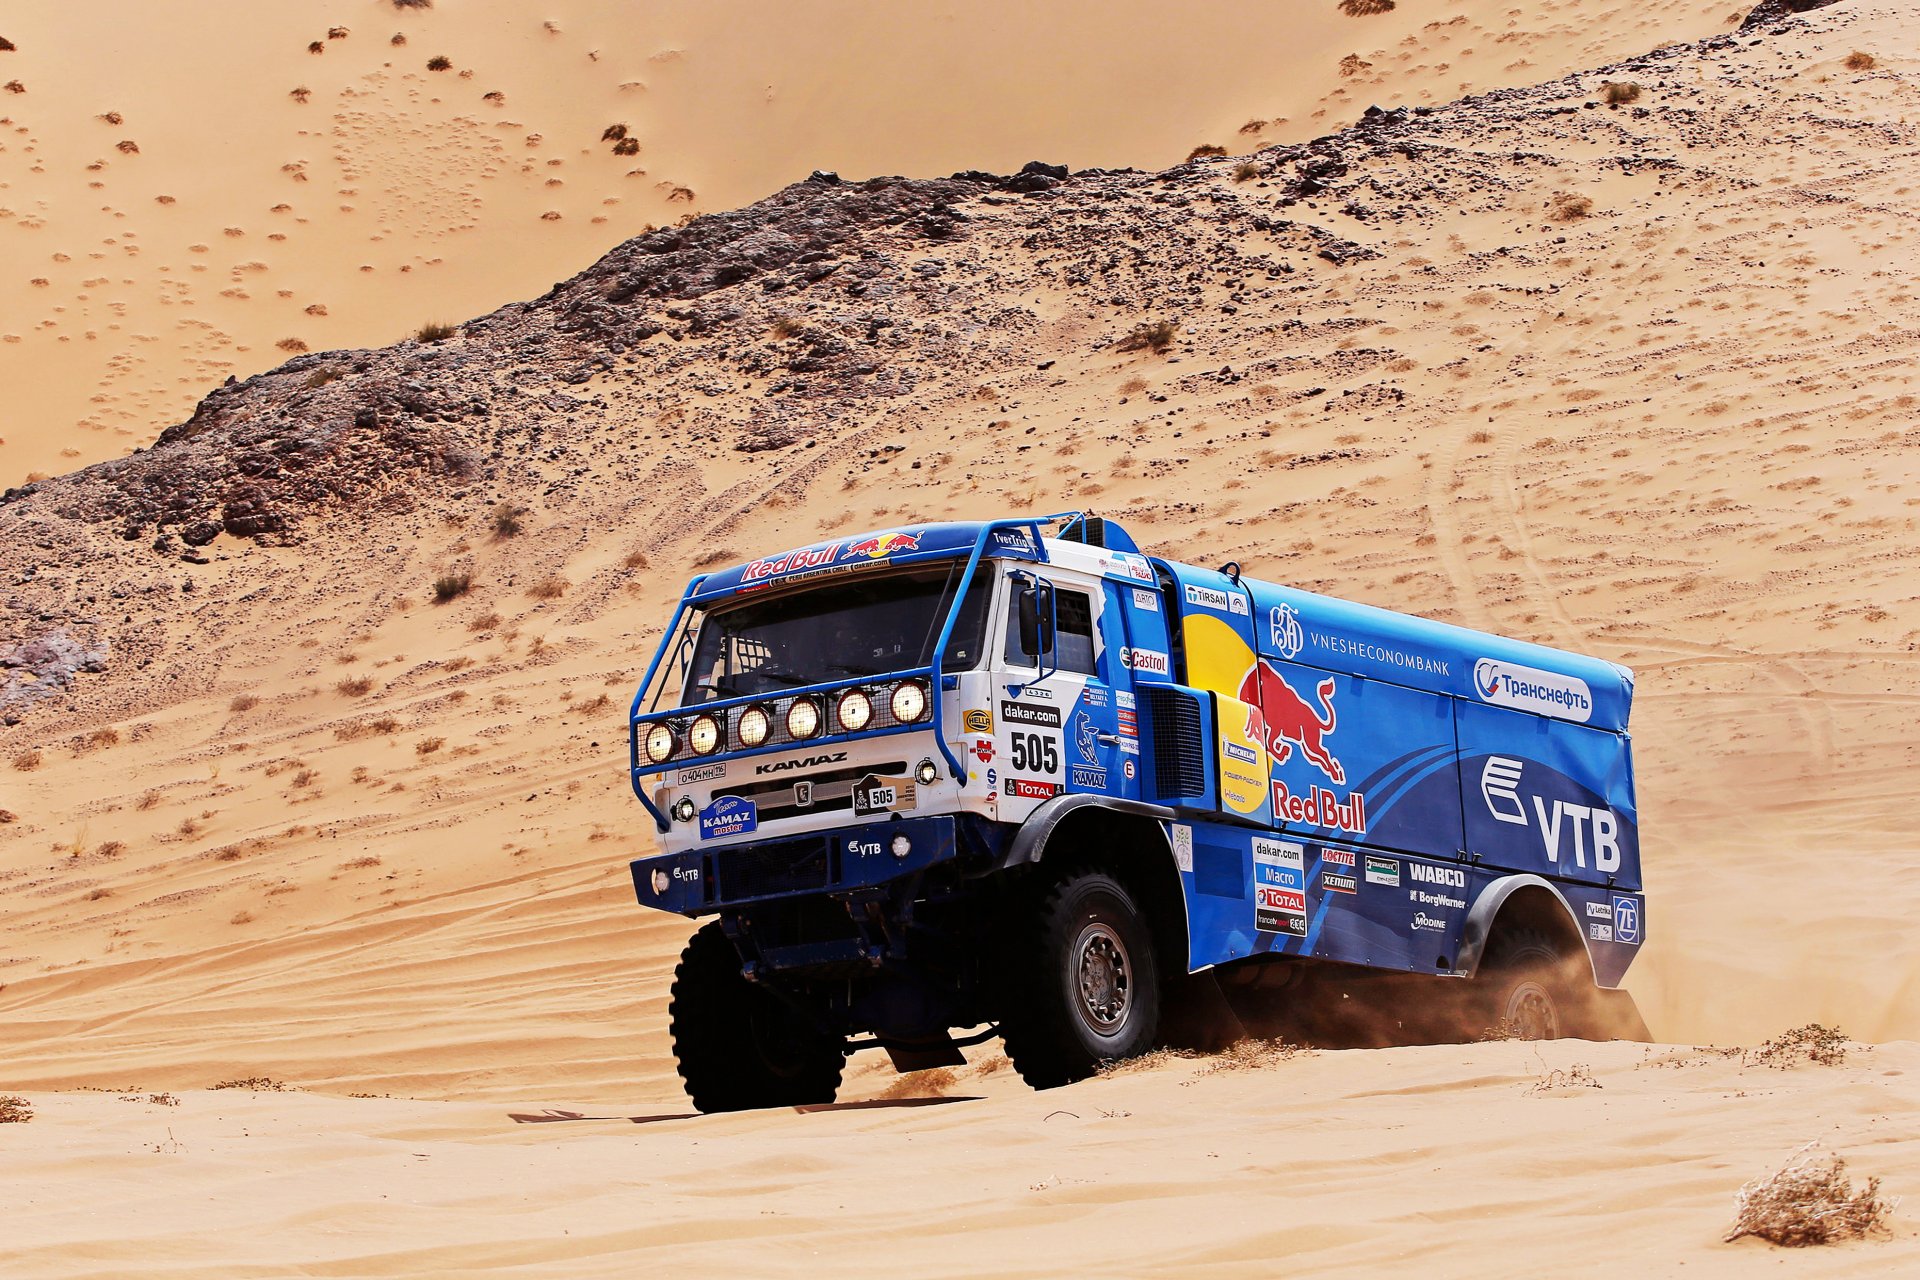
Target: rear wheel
{"x": 739, "y": 1047}
{"x": 1084, "y": 985}
{"x": 1527, "y": 990}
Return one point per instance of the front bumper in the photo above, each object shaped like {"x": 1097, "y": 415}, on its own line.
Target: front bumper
{"x": 700, "y": 881}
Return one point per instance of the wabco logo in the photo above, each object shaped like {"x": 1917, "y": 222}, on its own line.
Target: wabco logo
{"x": 804, "y": 762}
{"x": 1283, "y": 629}
{"x": 1546, "y": 693}
{"x": 882, "y": 546}
{"x": 1426, "y": 873}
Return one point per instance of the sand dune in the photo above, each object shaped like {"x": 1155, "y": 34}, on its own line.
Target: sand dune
{"x": 311, "y": 826}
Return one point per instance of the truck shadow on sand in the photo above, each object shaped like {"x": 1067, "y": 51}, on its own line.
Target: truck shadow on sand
{"x": 555, "y": 1116}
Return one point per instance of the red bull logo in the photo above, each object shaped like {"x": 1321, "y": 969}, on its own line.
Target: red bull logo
{"x": 882, "y": 545}
{"x": 1281, "y": 719}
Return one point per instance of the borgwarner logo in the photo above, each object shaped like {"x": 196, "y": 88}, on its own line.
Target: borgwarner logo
{"x": 1547, "y": 693}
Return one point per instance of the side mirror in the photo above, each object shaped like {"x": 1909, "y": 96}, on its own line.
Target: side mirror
{"x": 1036, "y": 621}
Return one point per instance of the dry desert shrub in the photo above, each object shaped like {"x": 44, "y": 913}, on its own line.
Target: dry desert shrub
{"x": 94, "y": 895}
{"x": 485, "y": 622}
{"x": 636, "y": 560}
{"x": 786, "y": 327}
{"x": 434, "y": 332}
{"x": 1569, "y": 206}
{"x": 1134, "y": 386}
{"x": 15, "y": 1109}
{"x": 496, "y": 97}
{"x": 148, "y": 800}
{"x": 1365, "y": 8}
{"x": 6, "y": 45}
{"x": 1205, "y": 151}
{"x": 7, "y": 816}
{"x": 1245, "y": 171}
{"x": 111, "y": 849}
{"x": 27, "y": 761}
{"x": 627, "y": 147}
{"x": 439, "y": 62}
{"x": 360, "y": 864}
{"x": 336, "y": 33}
{"x": 1153, "y": 335}
{"x": 103, "y": 738}
{"x": 719, "y": 555}
{"x": 413, "y": 4}
{"x": 355, "y": 686}
{"x": 1253, "y": 126}
{"x": 1353, "y": 64}
{"x": 14, "y": 86}
{"x": 301, "y": 94}
{"x": 451, "y": 586}
{"x": 399, "y": 38}
{"x": 243, "y": 702}
{"x": 1858, "y": 61}
{"x": 318, "y": 46}
{"x": 259, "y": 1084}
{"x": 427, "y": 746}
{"x": 1822, "y": 1046}
{"x": 1809, "y": 1201}
{"x": 127, "y": 146}
{"x": 304, "y": 778}
{"x": 613, "y": 133}
{"x": 1618, "y": 93}
{"x": 507, "y": 519}
{"x": 548, "y": 588}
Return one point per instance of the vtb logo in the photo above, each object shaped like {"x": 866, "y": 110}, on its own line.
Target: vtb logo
{"x": 1279, "y": 718}
{"x": 884, "y": 545}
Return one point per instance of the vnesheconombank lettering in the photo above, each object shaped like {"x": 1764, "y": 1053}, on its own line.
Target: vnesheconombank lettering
{"x": 1377, "y": 653}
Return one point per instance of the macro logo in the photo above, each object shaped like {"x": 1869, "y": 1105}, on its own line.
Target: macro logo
{"x": 880, "y": 546}
{"x": 1546, "y": 693}
{"x": 1284, "y": 630}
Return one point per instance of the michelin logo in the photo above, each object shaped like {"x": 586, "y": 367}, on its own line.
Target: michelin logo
{"x": 1547, "y": 693}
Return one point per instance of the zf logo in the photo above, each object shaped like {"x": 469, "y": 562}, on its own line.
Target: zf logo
{"x": 1036, "y": 753}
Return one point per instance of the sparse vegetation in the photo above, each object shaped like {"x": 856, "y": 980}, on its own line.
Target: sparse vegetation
{"x": 1205, "y": 151}
{"x": 549, "y": 588}
{"x": 14, "y": 86}
{"x": 1618, "y": 93}
{"x": 27, "y": 761}
{"x": 1134, "y": 386}
{"x": 435, "y": 332}
{"x": 413, "y": 4}
{"x": 259, "y": 1084}
{"x": 507, "y": 519}
{"x": 243, "y": 702}
{"x": 627, "y": 147}
{"x": 1153, "y": 335}
{"x": 1569, "y": 206}
{"x": 427, "y": 746}
{"x": 355, "y": 686}
{"x": 107, "y": 737}
{"x": 317, "y": 46}
{"x": 1822, "y": 1046}
{"x": 360, "y": 864}
{"x": 6, "y": 45}
{"x": 1809, "y": 1201}
{"x": 1577, "y": 1076}
{"x": 1245, "y": 171}
{"x": 485, "y": 622}
{"x": 111, "y": 849}
{"x": 148, "y": 800}
{"x": 613, "y": 133}
{"x": 439, "y": 62}
{"x": 94, "y": 895}
{"x": 451, "y": 586}
{"x": 1365, "y": 8}
{"x": 719, "y": 555}
{"x": 301, "y": 94}
{"x": 293, "y": 346}
{"x": 1858, "y": 61}
{"x": 15, "y": 1109}
{"x": 636, "y": 560}
{"x": 304, "y": 778}
{"x": 321, "y": 377}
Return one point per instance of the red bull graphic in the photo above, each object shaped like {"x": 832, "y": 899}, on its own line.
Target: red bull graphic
{"x": 791, "y": 562}
{"x": 1285, "y": 719}
{"x": 880, "y": 546}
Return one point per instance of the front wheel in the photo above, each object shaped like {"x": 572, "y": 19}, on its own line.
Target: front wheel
{"x": 1084, "y": 987}
{"x": 737, "y": 1046}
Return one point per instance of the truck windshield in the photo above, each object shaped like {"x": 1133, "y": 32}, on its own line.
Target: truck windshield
{"x": 865, "y": 626}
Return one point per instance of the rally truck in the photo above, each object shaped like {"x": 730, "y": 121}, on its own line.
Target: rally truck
{"x": 1016, "y": 778}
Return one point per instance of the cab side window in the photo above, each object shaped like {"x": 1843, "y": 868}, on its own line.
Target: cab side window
{"x": 1072, "y": 637}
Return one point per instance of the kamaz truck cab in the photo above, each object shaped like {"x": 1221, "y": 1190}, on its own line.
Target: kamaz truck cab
{"x": 973, "y": 777}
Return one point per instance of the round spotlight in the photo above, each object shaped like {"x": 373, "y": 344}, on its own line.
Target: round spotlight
{"x": 902, "y": 846}
{"x": 660, "y": 744}
{"x": 660, "y": 881}
{"x": 909, "y": 701}
{"x": 853, "y": 710}
{"x": 684, "y": 810}
{"x": 753, "y": 726}
{"x": 703, "y": 735}
{"x": 927, "y": 774}
{"x": 803, "y": 719}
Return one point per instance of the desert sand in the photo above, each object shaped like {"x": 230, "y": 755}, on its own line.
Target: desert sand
{"x": 1636, "y": 380}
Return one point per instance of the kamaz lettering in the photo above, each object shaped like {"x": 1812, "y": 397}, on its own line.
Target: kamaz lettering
{"x": 1019, "y": 774}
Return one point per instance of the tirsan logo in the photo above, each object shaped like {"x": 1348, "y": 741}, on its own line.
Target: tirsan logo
{"x": 1547, "y": 693}
{"x": 1278, "y": 718}
{"x": 1283, "y": 629}
{"x": 804, "y": 762}
{"x": 1426, "y": 873}
{"x": 883, "y": 545}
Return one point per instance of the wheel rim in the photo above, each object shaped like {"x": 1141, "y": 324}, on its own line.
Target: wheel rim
{"x": 1533, "y": 1013}
{"x": 1103, "y": 976}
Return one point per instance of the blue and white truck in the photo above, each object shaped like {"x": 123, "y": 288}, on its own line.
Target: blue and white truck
{"x": 1017, "y": 778}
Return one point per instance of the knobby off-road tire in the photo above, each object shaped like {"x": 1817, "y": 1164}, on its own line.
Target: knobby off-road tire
{"x": 1083, "y": 983}
{"x": 1530, "y": 989}
{"x": 738, "y": 1047}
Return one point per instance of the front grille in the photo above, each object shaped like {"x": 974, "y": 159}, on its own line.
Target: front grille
{"x": 1176, "y": 748}
{"x": 832, "y": 790}
{"x": 790, "y": 866}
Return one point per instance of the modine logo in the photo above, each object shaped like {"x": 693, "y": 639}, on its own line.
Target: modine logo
{"x": 1426, "y": 873}
{"x": 1546, "y": 693}
{"x": 804, "y": 762}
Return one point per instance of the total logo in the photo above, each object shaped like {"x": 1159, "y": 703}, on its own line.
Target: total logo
{"x": 1559, "y": 822}
{"x": 882, "y": 545}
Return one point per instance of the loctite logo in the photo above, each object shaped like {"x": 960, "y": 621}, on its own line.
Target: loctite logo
{"x": 1321, "y": 808}
{"x": 883, "y": 545}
